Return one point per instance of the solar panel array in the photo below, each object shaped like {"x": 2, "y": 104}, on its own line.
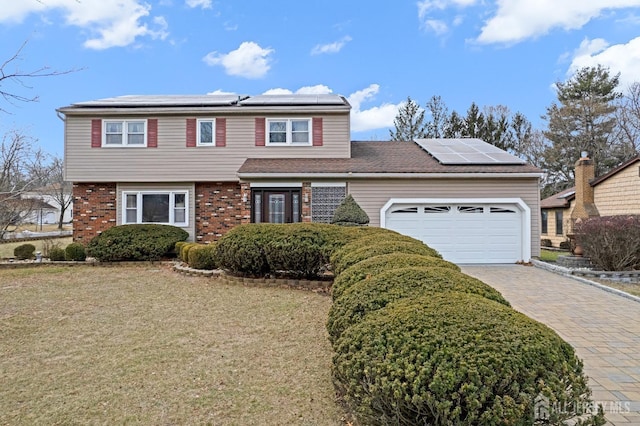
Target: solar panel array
{"x": 467, "y": 151}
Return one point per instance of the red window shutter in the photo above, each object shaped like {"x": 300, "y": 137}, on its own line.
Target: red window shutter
{"x": 191, "y": 132}
{"x": 317, "y": 131}
{"x": 221, "y": 132}
{"x": 260, "y": 131}
{"x": 152, "y": 133}
{"x": 96, "y": 133}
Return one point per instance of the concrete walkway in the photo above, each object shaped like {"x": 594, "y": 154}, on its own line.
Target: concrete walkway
{"x": 604, "y": 329}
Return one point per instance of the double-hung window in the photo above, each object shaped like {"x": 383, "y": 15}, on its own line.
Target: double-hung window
{"x": 156, "y": 207}
{"x": 288, "y": 131}
{"x": 206, "y": 132}
{"x": 125, "y": 133}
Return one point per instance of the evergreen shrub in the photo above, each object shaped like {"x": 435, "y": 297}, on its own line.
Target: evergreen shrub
{"x": 136, "y": 242}
{"x": 75, "y": 252}
{"x": 202, "y": 256}
{"x": 349, "y": 213}
{"x": 24, "y": 251}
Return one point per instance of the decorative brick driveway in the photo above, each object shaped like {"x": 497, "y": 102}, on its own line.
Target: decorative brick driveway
{"x": 604, "y": 329}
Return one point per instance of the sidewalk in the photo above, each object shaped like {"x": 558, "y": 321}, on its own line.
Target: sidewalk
{"x": 604, "y": 329}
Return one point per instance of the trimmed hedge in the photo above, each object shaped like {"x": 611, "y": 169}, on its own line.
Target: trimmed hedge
{"x": 75, "y": 252}
{"x": 297, "y": 249}
{"x": 380, "y": 248}
{"x": 452, "y": 358}
{"x": 202, "y": 256}
{"x": 24, "y": 251}
{"x": 366, "y": 239}
{"x": 378, "y": 264}
{"x": 375, "y": 293}
{"x": 136, "y": 242}
{"x": 184, "y": 250}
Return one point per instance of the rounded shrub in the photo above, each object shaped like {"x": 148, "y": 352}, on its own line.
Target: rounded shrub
{"x": 452, "y": 358}
{"x": 177, "y": 248}
{"x": 369, "y": 251}
{"x": 241, "y": 250}
{"x": 75, "y": 252}
{"x": 185, "y": 249}
{"x": 382, "y": 289}
{"x": 202, "y": 257}
{"x": 136, "y": 242}
{"x": 56, "y": 254}
{"x": 24, "y": 251}
{"x": 378, "y": 264}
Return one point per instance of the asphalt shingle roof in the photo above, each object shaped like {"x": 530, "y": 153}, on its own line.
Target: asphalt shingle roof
{"x": 375, "y": 157}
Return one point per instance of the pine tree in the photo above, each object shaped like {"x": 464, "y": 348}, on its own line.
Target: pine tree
{"x": 409, "y": 122}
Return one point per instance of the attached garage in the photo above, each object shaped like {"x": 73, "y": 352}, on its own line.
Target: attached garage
{"x": 464, "y": 230}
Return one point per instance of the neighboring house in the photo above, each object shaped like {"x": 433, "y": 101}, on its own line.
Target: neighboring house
{"x": 615, "y": 193}
{"x": 45, "y": 194}
{"x": 29, "y": 210}
{"x": 209, "y": 163}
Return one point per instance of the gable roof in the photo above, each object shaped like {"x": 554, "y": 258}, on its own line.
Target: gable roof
{"x": 615, "y": 171}
{"x": 384, "y": 158}
{"x": 561, "y": 200}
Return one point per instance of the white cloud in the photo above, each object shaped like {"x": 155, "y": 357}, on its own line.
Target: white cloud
{"x": 517, "y": 20}
{"x": 376, "y": 117}
{"x": 334, "y": 47}
{"x": 429, "y": 22}
{"x": 249, "y": 60}
{"x": 205, "y": 4}
{"x": 622, "y": 58}
{"x": 111, "y": 23}
{"x": 318, "y": 89}
{"x": 220, "y": 92}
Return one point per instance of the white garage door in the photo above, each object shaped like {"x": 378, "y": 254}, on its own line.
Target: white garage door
{"x": 463, "y": 233}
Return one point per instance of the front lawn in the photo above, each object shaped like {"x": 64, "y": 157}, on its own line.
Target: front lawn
{"x": 89, "y": 345}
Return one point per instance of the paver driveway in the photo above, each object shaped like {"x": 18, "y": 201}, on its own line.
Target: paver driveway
{"x": 603, "y": 328}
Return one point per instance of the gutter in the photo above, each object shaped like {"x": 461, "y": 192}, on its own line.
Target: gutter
{"x": 351, "y": 175}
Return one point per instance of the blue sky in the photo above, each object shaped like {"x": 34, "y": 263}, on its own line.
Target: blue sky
{"x": 503, "y": 52}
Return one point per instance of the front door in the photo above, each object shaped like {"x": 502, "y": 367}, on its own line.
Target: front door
{"x": 275, "y": 205}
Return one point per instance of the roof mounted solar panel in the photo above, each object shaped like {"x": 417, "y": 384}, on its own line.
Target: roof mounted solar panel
{"x": 468, "y": 151}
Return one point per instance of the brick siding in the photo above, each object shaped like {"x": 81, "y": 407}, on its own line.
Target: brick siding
{"x": 219, "y": 207}
{"x": 94, "y": 209}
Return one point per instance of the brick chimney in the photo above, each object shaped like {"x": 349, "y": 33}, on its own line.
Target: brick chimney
{"x": 584, "y": 207}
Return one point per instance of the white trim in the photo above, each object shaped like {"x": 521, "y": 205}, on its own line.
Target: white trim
{"x": 289, "y": 131}
{"x": 170, "y": 193}
{"x": 525, "y": 225}
{"x": 350, "y": 175}
{"x": 328, "y": 184}
{"x": 275, "y": 185}
{"x": 125, "y": 138}
{"x": 213, "y": 131}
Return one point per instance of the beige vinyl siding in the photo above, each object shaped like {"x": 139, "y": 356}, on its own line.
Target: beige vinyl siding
{"x": 372, "y": 195}
{"x": 173, "y": 161}
{"x": 619, "y": 194}
{"x": 160, "y": 187}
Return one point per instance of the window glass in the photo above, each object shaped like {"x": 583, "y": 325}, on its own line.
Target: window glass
{"x": 559, "y": 230}
{"x": 300, "y": 131}
{"x": 295, "y": 206}
{"x": 131, "y": 209}
{"x": 113, "y": 132}
{"x": 276, "y": 208}
{"x": 155, "y": 208}
{"x": 135, "y": 133}
{"x": 545, "y": 222}
{"x": 277, "y": 132}
{"x": 257, "y": 200}
{"x": 179, "y": 208}
{"x": 206, "y": 132}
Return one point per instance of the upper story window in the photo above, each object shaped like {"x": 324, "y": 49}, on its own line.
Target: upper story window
{"x": 288, "y": 131}
{"x": 206, "y": 132}
{"x": 125, "y": 133}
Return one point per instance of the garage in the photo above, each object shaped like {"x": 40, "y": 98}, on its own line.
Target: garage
{"x": 464, "y": 231}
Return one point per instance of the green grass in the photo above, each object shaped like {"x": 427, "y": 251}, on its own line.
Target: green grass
{"x": 91, "y": 345}
{"x": 551, "y": 255}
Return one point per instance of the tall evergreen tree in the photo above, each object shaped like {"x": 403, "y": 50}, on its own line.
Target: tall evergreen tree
{"x": 436, "y": 126}
{"x": 409, "y": 122}
{"x": 473, "y": 122}
{"x": 583, "y": 119}
{"x": 454, "y": 126}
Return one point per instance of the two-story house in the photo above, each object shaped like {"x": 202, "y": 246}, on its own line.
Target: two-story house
{"x": 208, "y": 163}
